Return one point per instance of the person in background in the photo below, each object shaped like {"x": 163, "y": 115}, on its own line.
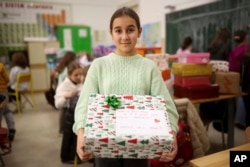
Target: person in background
{"x": 20, "y": 65}
{"x": 219, "y": 48}
{"x": 123, "y": 72}
{"x": 235, "y": 59}
{"x": 239, "y": 51}
{"x": 61, "y": 68}
{"x": 69, "y": 88}
{"x": 186, "y": 46}
{"x": 4, "y": 110}
{"x": 245, "y": 84}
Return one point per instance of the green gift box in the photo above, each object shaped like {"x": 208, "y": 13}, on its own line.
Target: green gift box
{"x": 137, "y": 128}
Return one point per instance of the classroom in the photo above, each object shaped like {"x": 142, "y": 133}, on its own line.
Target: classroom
{"x": 89, "y": 83}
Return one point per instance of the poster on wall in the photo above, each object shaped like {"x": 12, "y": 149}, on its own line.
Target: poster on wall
{"x": 30, "y": 19}
{"x": 151, "y": 35}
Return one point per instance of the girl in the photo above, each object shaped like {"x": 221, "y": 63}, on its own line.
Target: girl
{"x": 69, "y": 88}
{"x": 186, "y": 46}
{"x": 61, "y": 68}
{"x": 122, "y": 72}
{"x": 20, "y": 65}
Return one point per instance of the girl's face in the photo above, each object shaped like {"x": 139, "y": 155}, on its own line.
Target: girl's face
{"x": 125, "y": 34}
{"x": 76, "y": 75}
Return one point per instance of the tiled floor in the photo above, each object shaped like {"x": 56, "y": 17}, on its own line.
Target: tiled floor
{"x": 37, "y": 142}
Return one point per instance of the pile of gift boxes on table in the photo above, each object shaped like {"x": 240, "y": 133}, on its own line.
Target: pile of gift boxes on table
{"x": 196, "y": 77}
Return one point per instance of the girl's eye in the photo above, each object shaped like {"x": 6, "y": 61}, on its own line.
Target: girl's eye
{"x": 118, "y": 31}
{"x": 130, "y": 30}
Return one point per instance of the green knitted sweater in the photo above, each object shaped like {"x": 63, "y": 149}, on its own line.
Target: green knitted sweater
{"x": 115, "y": 74}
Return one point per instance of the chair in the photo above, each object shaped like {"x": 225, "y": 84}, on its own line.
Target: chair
{"x": 247, "y": 132}
{"x": 23, "y": 78}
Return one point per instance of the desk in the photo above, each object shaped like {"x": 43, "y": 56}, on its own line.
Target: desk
{"x": 231, "y": 110}
{"x": 220, "y": 159}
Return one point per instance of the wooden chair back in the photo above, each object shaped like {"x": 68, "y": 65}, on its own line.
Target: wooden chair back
{"x": 247, "y": 132}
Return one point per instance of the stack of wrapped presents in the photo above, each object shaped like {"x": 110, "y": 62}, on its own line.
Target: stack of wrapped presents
{"x": 121, "y": 131}
{"x": 192, "y": 77}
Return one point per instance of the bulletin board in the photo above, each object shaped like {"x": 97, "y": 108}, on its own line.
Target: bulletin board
{"x": 75, "y": 37}
{"x": 25, "y": 19}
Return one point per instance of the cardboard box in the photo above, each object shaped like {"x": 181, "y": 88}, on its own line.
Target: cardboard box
{"x": 229, "y": 82}
{"x": 138, "y": 129}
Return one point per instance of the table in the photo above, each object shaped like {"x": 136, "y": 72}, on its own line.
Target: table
{"x": 220, "y": 159}
{"x": 231, "y": 110}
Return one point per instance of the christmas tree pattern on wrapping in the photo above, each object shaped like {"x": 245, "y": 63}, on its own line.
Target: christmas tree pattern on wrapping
{"x": 100, "y": 134}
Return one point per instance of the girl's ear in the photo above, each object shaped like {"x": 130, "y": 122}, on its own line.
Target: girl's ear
{"x": 139, "y": 32}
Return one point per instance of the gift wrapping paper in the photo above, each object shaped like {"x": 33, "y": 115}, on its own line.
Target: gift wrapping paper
{"x": 139, "y": 128}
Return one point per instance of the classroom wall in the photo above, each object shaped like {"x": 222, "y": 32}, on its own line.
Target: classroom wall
{"x": 96, "y": 14}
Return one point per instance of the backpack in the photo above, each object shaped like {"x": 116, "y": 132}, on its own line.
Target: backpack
{"x": 185, "y": 149}
{"x": 49, "y": 94}
{"x": 5, "y": 143}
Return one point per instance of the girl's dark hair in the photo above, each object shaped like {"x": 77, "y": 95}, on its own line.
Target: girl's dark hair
{"x": 125, "y": 11}
{"x": 19, "y": 59}
{"x": 222, "y": 36}
{"x": 186, "y": 43}
{"x": 239, "y": 36}
{"x": 65, "y": 61}
{"x": 72, "y": 66}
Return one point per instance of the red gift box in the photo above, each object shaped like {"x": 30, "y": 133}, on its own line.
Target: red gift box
{"x": 197, "y": 92}
{"x": 191, "y": 81}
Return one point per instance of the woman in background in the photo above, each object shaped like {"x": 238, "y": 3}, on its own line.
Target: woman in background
{"x": 219, "y": 48}
{"x": 235, "y": 60}
{"x": 186, "y": 46}
{"x": 239, "y": 51}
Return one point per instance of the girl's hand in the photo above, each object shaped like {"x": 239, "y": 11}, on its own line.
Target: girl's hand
{"x": 167, "y": 157}
{"x": 83, "y": 155}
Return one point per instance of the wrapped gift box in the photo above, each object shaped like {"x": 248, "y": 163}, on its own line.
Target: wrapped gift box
{"x": 161, "y": 60}
{"x": 191, "y": 69}
{"x": 138, "y": 129}
{"x": 194, "y": 58}
{"x": 229, "y": 82}
{"x": 191, "y": 81}
{"x": 166, "y": 74}
{"x": 196, "y": 92}
{"x": 219, "y": 65}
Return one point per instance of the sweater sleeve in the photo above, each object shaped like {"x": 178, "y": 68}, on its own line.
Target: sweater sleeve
{"x": 90, "y": 86}
{"x": 158, "y": 88}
